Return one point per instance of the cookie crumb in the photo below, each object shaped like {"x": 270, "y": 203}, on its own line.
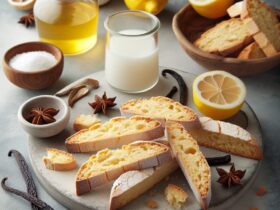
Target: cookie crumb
{"x": 261, "y": 191}
{"x": 152, "y": 204}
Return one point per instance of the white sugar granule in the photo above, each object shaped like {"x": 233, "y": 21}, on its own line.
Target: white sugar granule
{"x": 33, "y": 61}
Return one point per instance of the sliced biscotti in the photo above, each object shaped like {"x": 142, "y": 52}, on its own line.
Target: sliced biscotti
{"x": 252, "y": 51}
{"x": 175, "y": 196}
{"x": 191, "y": 161}
{"x": 59, "y": 160}
{"x": 162, "y": 109}
{"x": 132, "y": 184}
{"x": 235, "y": 10}
{"x": 84, "y": 122}
{"x": 227, "y": 137}
{"x": 261, "y": 21}
{"x": 226, "y": 38}
{"x": 114, "y": 133}
{"x": 107, "y": 165}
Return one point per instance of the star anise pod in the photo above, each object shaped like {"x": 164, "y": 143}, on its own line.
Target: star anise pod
{"x": 41, "y": 116}
{"x": 102, "y": 104}
{"x": 27, "y": 20}
{"x": 230, "y": 178}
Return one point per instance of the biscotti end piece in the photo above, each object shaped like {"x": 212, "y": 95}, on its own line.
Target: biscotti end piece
{"x": 175, "y": 196}
{"x": 252, "y": 51}
{"x": 162, "y": 109}
{"x": 226, "y": 38}
{"x": 191, "y": 161}
{"x": 132, "y": 184}
{"x": 59, "y": 160}
{"x": 106, "y": 165}
{"x": 235, "y": 10}
{"x": 228, "y": 138}
{"x": 262, "y": 22}
{"x": 84, "y": 122}
{"x": 114, "y": 133}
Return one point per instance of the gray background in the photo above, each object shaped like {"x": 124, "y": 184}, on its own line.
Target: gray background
{"x": 263, "y": 95}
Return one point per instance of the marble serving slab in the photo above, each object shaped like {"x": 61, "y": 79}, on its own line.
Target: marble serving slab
{"x": 61, "y": 185}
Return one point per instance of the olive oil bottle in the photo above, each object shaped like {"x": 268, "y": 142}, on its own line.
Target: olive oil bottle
{"x": 71, "y": 25}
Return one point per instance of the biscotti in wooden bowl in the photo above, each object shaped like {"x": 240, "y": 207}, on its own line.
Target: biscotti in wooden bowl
{"x": 230, "y": 51}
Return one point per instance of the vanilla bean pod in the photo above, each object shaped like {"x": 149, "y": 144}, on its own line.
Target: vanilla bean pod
{"x": 34, "y": 200}
{"x": 172, "y": 92}
{"x": 31, "y": 187}
{"x": 182, "y": 85}
{"x": 213, "y": 161}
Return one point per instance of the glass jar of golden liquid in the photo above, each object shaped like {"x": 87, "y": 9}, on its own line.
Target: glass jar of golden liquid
{"x": 71, "y": 25}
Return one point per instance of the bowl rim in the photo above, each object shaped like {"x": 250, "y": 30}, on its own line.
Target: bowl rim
{"x": 21, "y": 4}
{"x": 59, "y": 60}
{"x": 183, "y": 40}
{"x": 22, "y": 119}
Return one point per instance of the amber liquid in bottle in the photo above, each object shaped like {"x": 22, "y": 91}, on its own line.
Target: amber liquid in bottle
{"x": 69, "y": 25}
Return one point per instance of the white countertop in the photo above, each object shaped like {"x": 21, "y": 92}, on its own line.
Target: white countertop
{"x": 263, "y": 95}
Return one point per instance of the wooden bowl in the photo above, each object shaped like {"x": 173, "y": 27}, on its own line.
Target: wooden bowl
{"x": 22, "y": 5}
{"x": 189, "y": 25}
{"x": 33, "y": 80}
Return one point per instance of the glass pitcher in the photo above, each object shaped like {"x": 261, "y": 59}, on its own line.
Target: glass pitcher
{"x": 71, "y": 25}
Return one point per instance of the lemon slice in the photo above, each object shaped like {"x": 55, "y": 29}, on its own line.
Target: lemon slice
{"x": 218, "y": 94}
{"x": 211, "y": 8}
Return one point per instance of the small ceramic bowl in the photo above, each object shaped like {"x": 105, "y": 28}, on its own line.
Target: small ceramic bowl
{"x": 47, "y": 130}
{"x": 33, "y": 80}
{"x": 22, "y": 5}
{"x": 188, "y": 26}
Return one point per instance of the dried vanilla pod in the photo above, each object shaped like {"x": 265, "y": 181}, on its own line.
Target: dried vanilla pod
{"x": 31, "y": 187}
{"x": 34, "y": 200}
{"x": 172, "y": 92}
{"x": 221, "y": 160}
{"x": 182, "y": 85}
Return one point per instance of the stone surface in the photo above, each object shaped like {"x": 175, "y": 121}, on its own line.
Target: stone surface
{"x": 263, "y": 96}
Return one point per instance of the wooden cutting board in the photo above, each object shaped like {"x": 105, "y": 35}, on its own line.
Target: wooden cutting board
{"x": 61, "y": 185}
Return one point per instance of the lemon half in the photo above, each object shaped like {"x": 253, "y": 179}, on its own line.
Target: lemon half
{"x": 218, "y": 94}
{"x": 211, "y": 8}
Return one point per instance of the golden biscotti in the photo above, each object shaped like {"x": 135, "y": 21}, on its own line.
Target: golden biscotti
{"x": 226, "y": 38}
{"x": 162, "y": 109}
{"x": 191, "y": 161}
{"x": 227, "y": 137}
{"x": 252, "y": 51}
{"x": 175, "y": 196}
{"x": 107, "y": 165}
{"x": 84, "y": 122}
{"x": 59, "y": 160}
{"x": 262, "y": 23}
{"x": 132, "y": 184}
{"x": 114, "y": 133}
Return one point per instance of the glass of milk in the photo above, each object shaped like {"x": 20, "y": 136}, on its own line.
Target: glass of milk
{"x": 131, "y": 63}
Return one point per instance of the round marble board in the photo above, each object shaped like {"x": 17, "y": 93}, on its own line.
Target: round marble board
{"x": 61, "y": 185}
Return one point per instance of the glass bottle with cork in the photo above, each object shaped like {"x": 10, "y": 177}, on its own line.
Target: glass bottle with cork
{"x": 71, "y": 25}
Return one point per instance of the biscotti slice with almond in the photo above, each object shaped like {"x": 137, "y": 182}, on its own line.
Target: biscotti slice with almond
{"x": 262, "y": 22}
{"x": 107, "y": 165}
{"x": 235, "y": 10}
{"x": 59, "y": 160}
{"x": 84, "y": 122}
{"x": 227, "y": 137}
{"x": 114, "y": 133}
{"x": 175, "y": 196}
{"x": 191, "y": 161}
{"x": 132, "y": 184}
{"x": 225, "y": 38}
{"x": 162, "y": 109}
{"x": 252, "y": 51}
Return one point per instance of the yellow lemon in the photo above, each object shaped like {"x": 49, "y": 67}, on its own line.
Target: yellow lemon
{"x": 218, "y": 94}
{"x": 211, "y": 8}
{"x": 152, "y": 6}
